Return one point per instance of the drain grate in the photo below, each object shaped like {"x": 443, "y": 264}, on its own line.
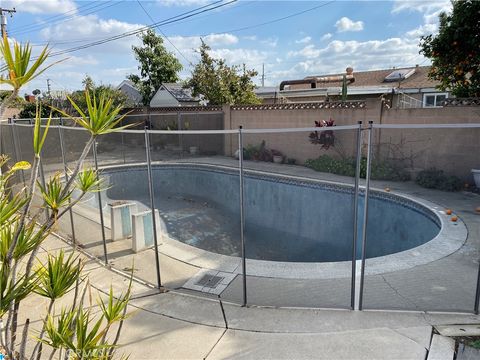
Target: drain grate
{"x": 209, "y": 281}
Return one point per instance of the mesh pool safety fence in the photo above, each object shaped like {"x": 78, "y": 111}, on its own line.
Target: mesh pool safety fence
{"x": 364, "y": 216}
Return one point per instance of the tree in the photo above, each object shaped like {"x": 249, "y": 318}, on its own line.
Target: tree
{"x": 29, "y": 110}
{"x": 220, "y": 83}
{"x": 455, "y": 50}
{"x": 156, "y": 65}
{"x": 118, "y": 98}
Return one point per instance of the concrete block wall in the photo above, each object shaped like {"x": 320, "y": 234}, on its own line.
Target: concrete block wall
{"x": 454, "y": 151}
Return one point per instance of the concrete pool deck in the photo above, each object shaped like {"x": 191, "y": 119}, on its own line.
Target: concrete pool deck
{"x": 179, "y": 326}
{"x": 446, "y": 284}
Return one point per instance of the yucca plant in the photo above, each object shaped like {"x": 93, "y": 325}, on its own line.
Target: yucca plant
{"x": 53, "y": 195}
{"x": 20, "y": 67}
{"x": 28, "y": 240}
{"x": 88, "y": 180}
{"x": 55, "y": 279}
{"x": 57, "y": 329}
{"x": 58, "y": 276}
{"x": 21, "y": 237}
{"x": 11, "y": 290}
{"x": 83, "y": 335}
{"x": 100, "y": 119}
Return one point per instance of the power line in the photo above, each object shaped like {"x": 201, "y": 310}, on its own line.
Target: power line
{"x": 165, "y": 36}
{"x": 90, "y": 39}
{"x": 50, "y": 18}
{"x": 185, "y": 15}
{"x": 271, "y": 21}
{"x": 134, "y": 32}
{"x": 99, "y": 7}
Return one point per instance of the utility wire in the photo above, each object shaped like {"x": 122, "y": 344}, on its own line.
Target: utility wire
{"x": 184, "y": 15}
{"x": 134, "y": 32}
{"x": 163, "y": 34}
{"x": 90, "y": 39}
{"x": 56, "y": 17}
{"x": 102, "y": 6}
{"x": 272, "y": 21}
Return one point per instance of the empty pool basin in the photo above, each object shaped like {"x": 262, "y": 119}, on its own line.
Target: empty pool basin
{"x": 287, "y": 219}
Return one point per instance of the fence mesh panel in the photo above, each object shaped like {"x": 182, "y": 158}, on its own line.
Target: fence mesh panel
{"x": 418, "y": 257}
{"x": 299, "y": 210}
{"x": 298, "y": 245}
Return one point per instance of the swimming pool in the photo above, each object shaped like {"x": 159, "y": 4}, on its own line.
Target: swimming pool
{"x": 287, "y": 219}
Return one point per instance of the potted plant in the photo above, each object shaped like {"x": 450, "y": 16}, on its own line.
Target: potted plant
{"x": 325, "y": 138}
{"x": 277, "y": 156}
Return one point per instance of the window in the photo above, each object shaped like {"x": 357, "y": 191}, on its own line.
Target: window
{"x": 434, "y": 100}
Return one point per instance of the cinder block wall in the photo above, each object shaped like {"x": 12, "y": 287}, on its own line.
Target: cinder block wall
{"x": 454, "y": 151}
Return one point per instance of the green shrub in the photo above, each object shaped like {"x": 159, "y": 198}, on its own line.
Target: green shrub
{"x": 436, "y": 179}
{"x": 381, "y": 170}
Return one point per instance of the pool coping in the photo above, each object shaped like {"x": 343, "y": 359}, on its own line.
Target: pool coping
{"x": 451, "y": 237}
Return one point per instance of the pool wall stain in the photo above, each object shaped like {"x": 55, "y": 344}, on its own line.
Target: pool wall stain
{"x": 286, "y": 219}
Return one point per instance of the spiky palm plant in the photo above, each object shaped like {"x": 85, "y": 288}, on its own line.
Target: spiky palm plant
{"x": 55, "y": 279}
{"x": 21, "y": 236}
{"x": 20, "y": 67}
{"x": 101, "y": 118}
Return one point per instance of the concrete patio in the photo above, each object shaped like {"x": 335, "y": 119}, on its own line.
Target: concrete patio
{"x": 446, "y": 284}
{"x": 173, "y": 325}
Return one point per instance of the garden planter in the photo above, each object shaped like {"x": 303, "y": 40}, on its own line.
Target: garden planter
{"x": 476, "y": 177}
{"x": 194, "y": 150}
{"x": 277, "y": 159}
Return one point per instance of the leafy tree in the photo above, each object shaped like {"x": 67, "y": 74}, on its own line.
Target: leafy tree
{"x": 156, "y": 65}
{"x": 455, "y": 50}
{"x": 220, "y": 83}
{"x": 29, "y": 110}
{"x": 118, "y": 98}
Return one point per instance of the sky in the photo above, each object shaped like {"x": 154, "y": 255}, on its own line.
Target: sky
{"x": 288, "y": 39}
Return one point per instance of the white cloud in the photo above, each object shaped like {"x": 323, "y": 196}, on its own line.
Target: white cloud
{"x": 327, "y": 36}
{"x": 307, "y": 52}
{"x": 431, "y": 11}
{"x": 92, "y": 27}
{"x": 41, "y": 6}
{"x": 220, "y": 39}
{"x": 361, "y": 55}
{"x": 304, "y": 40}
{"x": 189, "y": 44}
{"x": 345, "y": 24}
{"x": 251, "y": 37}
{"x": 75, "y": 61}
{"x": 422, "y": 6}
{"x": 271, "y": 42}
{"x": 250, "y": 57}
{"x": 423, "y": 30}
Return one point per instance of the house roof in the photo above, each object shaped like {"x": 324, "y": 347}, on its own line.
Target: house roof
{"x": 178, "y": 92}
{"x": 128, "y": 83}
{"x": 375, "y": 78}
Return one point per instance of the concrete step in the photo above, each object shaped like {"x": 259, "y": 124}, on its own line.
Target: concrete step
{"x": 441, "y": 348}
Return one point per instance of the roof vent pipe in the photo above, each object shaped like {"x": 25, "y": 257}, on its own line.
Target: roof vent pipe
{"x": 314, "y": 80}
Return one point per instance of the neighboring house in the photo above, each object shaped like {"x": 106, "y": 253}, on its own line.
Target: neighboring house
{"x": 404, "y": 88}
{"x": 128, "y": 88}
{"x": 171, "y": 94}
